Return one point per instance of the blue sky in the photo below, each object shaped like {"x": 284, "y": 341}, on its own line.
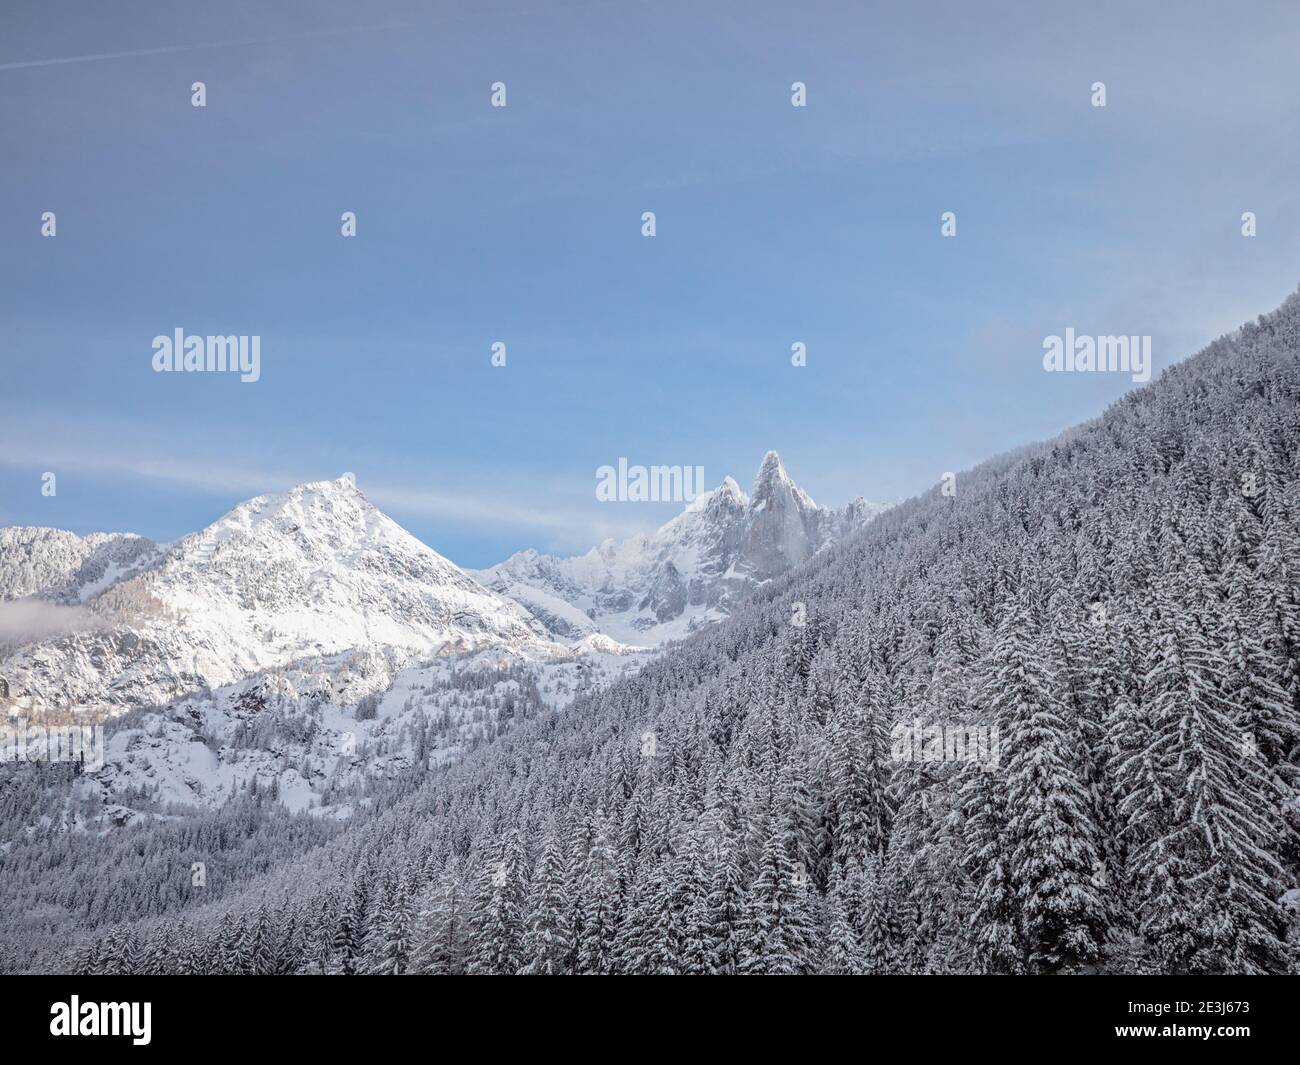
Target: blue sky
{"x": 522, "y": 224}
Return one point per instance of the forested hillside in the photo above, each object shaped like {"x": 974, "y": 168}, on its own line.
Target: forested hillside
{"x": 1121, "y": 603}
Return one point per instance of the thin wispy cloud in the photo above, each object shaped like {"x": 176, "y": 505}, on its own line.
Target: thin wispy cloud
{"x": 557, "y": 511}
{"x": 176, "y": 49}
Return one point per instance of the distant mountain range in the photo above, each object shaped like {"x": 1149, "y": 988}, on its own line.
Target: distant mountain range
{"x": 281, "y": 579}
{"x": 692, "y": 571}
{"x": 109, "y": 621}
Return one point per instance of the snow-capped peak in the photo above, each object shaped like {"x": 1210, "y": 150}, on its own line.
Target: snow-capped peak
{"x": 324, "y": 520}
{"x": 294, "y": 576}
{"x": 771, "y": 471}
{"x": 774, "y": 487}
{"x": 727, "y": 493}
{"x": 687, "y": 573}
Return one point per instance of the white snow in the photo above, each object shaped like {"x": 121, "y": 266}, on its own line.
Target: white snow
{"x": 665, "y": 585}
{"x": 312, "y": 572}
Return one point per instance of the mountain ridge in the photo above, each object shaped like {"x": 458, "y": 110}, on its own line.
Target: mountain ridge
{"x": 280, "y": 578}
{"x": 689, "y": 572}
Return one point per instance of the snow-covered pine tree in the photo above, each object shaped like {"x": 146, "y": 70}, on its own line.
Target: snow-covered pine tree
{"x": 498, "y": 913}
{"x": 843, "y": 954}
{"x": 395, "y": 924}
{"x": 548, "y": 939}
{"x": 443, "y": 936}
{"x": 997, "y": 944}
{"x": 779, "y": 930}
{"x": 598, "y": 898}
{"x": 1049, "y": 828}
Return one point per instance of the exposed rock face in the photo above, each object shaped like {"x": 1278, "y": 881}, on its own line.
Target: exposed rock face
{"x": 784, "y": 527}
{"x": 667, "y": 596}
{"x": 688, "y": 573}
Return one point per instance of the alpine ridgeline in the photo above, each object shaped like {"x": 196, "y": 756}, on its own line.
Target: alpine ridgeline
{"x": 108, "y": 622}
{"x": 692, "y": 571}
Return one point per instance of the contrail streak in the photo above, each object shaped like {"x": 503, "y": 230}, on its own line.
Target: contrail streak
{"x": 172, "y": 49}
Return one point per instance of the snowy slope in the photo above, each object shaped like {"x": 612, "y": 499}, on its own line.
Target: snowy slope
{"x": 300, "y": 733}
{"x": 691, "y": 571}
{"x": 281, "y": 579}
{"x": 63, "y": 567}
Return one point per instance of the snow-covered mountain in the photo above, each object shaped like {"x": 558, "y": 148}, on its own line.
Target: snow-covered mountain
{"x": 689, "y": 572}
{"x": 322, "y": 736}
{"x": 280, "y": 580}
{"x": 63, "y": 567}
